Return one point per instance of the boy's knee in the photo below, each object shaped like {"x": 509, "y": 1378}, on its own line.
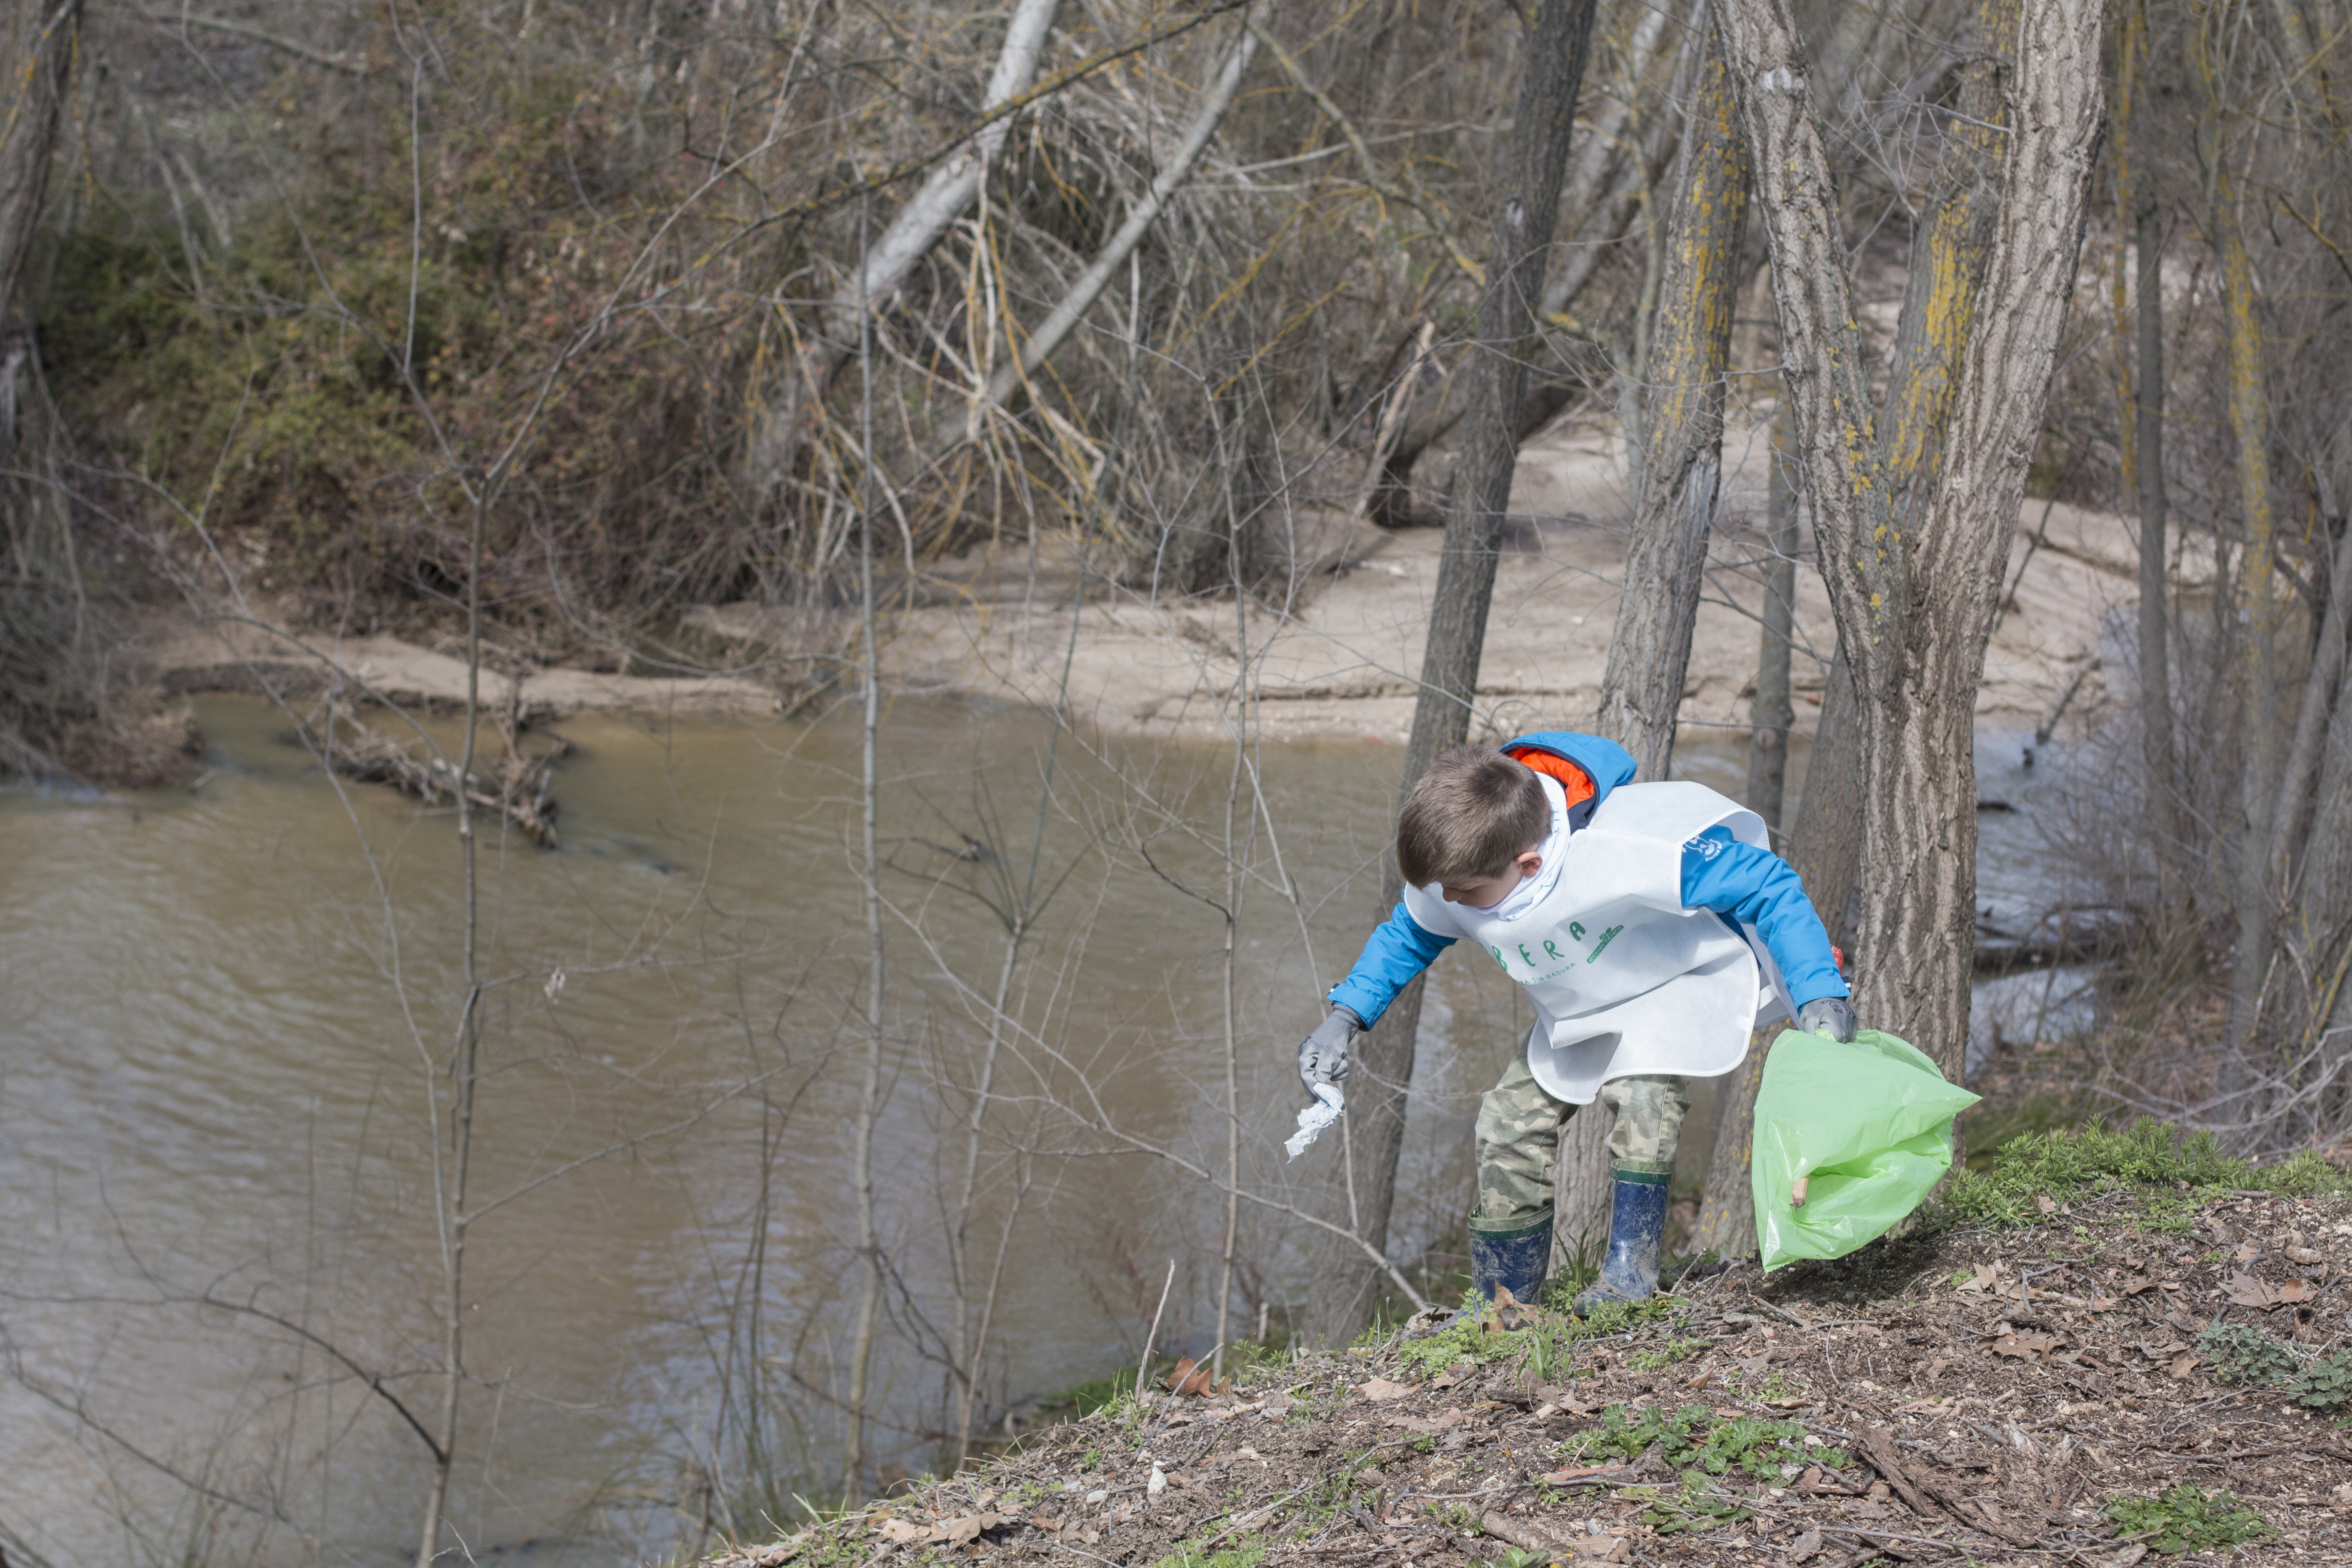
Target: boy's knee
{"x": 1650, "y": 1110}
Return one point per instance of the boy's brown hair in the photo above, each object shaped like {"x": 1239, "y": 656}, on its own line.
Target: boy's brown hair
{"x": 1469, "y": 817}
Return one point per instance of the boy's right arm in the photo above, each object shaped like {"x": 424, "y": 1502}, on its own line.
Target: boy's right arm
{"x": 1397, "y": 952}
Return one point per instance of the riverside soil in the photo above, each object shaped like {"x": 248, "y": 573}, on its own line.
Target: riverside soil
{"x": 1977, "y": 1397}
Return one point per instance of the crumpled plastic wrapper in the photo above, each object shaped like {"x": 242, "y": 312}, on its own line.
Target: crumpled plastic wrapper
{"x": 1327, "y": 1108}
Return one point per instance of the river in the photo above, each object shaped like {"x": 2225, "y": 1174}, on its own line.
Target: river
{"x": 217, "y": 1166}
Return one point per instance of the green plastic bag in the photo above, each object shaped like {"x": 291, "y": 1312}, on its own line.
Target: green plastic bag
{"x": 1868, "y": 1125}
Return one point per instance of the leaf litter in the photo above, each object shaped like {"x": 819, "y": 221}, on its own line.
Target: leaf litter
{"x": 1982, "y": 1396}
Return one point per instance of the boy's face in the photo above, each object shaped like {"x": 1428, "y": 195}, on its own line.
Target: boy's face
{"x": 1485, "y": 893}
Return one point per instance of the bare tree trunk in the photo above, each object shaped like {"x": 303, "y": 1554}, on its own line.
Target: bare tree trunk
{"x": 1825, "y": 842}
{"x": 1771, "y": 714}
{"x": 2155, "y": 657}
{"x": 1726, "y": 1208}
{"x": 1916, "y": 603}
{"x": 2258, "y": 618}
{"x": 870, "y": 1243}
{"x": 945, "y": 193}
{"x": 1553, "y": 70}
{"x": 1690, "y": 347}
{"x": 1602, "y": 217}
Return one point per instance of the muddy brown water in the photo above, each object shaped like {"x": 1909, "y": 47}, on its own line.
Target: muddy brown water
{"x": 224, "y": 1007}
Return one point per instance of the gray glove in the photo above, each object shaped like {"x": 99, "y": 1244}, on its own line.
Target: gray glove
{"x": 1830, "y": 1016}
{"x": 1323, "y": 1055}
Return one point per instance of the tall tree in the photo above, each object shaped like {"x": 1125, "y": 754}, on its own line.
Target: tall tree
{"x": 1682, "y": 420}
{"x": 1550, "y": 78}
{"x": 1915, "y": 564}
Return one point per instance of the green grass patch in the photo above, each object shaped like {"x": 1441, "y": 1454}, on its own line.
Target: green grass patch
{"x": 1241, "y": 1555}
{"x": 2188, "y": 1519}
{"x": 2180, "y": 1171}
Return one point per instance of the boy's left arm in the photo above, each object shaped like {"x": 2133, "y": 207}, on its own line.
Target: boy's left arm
{"x": 1757, "y": 888}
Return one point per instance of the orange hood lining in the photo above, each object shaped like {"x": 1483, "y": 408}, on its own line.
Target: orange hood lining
{"x": 1571, "y": 779}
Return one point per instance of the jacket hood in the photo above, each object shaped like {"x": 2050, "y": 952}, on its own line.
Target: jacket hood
{"x": 1605, "y": 762}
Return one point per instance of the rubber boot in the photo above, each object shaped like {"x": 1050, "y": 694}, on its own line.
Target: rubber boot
{"x": 1515, "y": 1254}
{"x": 1637, "y": 1221}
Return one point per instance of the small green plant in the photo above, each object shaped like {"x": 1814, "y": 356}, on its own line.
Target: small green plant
{"x": 1694, "y": 1505}
{"x": 2323, "y": 1383}
{"x": 1579, "y": 1266}
{"x": 2188, "y": 1519}
{"x": 1666, "y": 1355}
{"x": 1517, "y": 1558}
{"x": 1468, "y": 1337}
{"x": 1241, "y": 1555}
{"x": 2240, "y": 1352}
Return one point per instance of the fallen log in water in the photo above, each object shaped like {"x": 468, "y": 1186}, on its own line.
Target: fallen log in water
{"x": 520, "y": 791}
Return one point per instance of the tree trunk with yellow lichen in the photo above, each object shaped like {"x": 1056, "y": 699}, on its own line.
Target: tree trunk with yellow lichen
{"x": 1682, "y": 470}
{"x": 1690, "y": 345}
{"x": 1914, "y": 510}
{"x": 2258, "y": 615}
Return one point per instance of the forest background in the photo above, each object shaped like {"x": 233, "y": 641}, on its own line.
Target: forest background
{"x": 723, "y": 342}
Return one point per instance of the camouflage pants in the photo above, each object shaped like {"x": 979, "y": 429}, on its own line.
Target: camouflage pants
{"x": 1519, "y": 1135}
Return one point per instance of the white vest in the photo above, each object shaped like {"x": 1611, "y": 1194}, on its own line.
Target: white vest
{"x": 1624, "y": 979}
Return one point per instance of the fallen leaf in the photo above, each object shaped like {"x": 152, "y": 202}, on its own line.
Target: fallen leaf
{"x": 2046, "y": 1203}
{"x": 2026, "y": 1347}
{"x": 2128, "y": 1556}
{"x": 2103, "y": 1304}
{"x": 1044, "y": 1522}
{"x": 968, "y": 1528}
{"x": 1988, "y": 1279}
{"x": 1190, "y": 1377}
{"x": 1380, "y": 1388}
{"x": 2136, "y": 1285}
{"x": 1578, "y": 1473}
{"x": 2245, "y": 1290}
{"x": 1805, "y": 1545}
{"x": 2182, "y": 1365}
{"x": 2247, "y": 1252}
{"x": 901, "y": 1532}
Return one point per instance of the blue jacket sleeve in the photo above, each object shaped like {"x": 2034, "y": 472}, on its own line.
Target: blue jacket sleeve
{"x": 1397, "y": 952}
{"x": 1754, "y": 886}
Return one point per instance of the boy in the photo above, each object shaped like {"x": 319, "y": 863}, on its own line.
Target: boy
{"x": 1653, "y": 930}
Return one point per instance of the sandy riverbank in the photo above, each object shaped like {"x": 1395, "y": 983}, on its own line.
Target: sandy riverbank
{"x": 1338, "y": 660}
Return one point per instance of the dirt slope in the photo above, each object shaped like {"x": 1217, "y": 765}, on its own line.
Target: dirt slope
{"x": 1978, "y": 1396}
